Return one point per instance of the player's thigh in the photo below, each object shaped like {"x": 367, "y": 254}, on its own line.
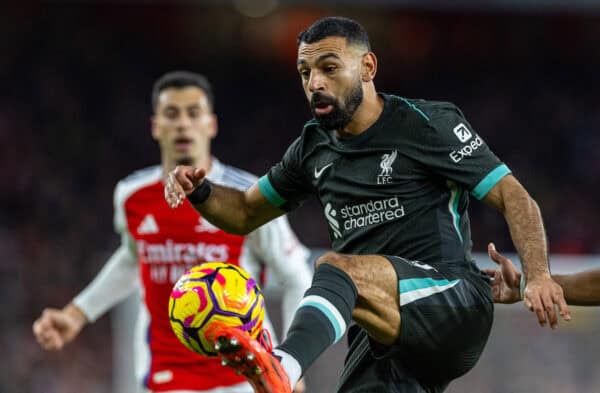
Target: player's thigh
{"x": 446, "y": 320}
{"x": 377, "y": 306}
{"x": 447, "y": 315}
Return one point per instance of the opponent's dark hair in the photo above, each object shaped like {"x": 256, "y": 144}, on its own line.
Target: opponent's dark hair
{"x": 335, "y": 26}
{"x": 179, "y": 80}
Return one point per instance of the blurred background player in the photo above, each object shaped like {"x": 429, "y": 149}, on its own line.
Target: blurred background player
{"x": 580, "y": 289}
{"x": 159, "y": 244}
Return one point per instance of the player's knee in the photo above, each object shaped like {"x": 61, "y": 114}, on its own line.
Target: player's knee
{"x": 332, "y": 258}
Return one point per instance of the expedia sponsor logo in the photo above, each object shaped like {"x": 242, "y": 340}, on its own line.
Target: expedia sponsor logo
{"x": 466, "y": 151}
{"x": 172, "y": 252}
{"x": 462, "y": 133}
{"x": 362, "y": 215}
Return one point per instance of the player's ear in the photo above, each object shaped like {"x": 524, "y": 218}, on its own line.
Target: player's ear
{"x": 214, "y": 126}
{"x": 368, "y": 67}
{"x": 154, "y": 128}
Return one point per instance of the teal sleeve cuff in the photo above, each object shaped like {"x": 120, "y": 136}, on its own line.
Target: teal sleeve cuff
{"x": 265, "y": 186}
{"x": 488, "y": 182}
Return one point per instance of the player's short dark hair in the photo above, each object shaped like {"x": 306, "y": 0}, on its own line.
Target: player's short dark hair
{"x": 335, "y": 26}
{"x": 179, "y": 80}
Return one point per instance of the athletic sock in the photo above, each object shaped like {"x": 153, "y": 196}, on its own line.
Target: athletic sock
{"x": 320, "y": 320}
{"x": 290, "y": 365}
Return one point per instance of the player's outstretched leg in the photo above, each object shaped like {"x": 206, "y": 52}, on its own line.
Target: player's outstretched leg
{"x": 253, "y": 359}
{"x": 343, "y": 286}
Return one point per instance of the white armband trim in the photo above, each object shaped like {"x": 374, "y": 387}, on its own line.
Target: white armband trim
{"x": 522, "y": 286}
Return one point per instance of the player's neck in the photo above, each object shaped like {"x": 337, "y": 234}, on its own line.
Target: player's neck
{"x": 366, "y": 114}
{"x": 205, "y": 162}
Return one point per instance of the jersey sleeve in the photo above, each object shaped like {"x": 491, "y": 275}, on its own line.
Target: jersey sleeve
{"x": 118, "y": 278}
{"x": 450, "y": 147}
{"x": 286, "y": 260}
{"x": 285, "y": 185}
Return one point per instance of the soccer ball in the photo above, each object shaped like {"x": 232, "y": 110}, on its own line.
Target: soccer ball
{"x": 212, "y": 295}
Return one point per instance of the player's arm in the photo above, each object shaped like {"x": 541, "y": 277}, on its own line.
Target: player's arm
{"x": 449, "y": 146}
{"x": 284, "y": 188}
{"x": 117, "y": 279}
{"x": 580, "y": 289}
{"x": 55, "y": 328}
{"x": 526, "y": 227}
{"x": 234, "y": 211}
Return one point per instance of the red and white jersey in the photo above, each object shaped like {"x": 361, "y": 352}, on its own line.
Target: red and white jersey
{"x": 166, "y": 242}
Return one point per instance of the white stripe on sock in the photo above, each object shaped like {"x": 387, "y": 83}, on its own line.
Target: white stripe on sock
{"x": 290, "y": 366}
{"x": 330, "y": 312}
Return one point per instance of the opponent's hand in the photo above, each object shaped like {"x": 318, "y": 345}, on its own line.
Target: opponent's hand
{"x": 300, "y": 386}
{"x": 506, "y": 278}
{"x": 55, "y": 328}
{"x": 541, "y": 296}
{"x": 181, "y": 181}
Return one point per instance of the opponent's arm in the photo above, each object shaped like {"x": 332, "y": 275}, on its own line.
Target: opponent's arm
{"x": 526, "y": 227}
{"x": 580, "y": 289}
{"x": 55, "y": 328}
{"x": 506, "y": 278}
{"x": 234, "y": 211}
{"x": 117, "y": 279}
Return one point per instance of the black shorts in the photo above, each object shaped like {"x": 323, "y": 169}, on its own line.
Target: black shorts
{"x": 446, "y": 317}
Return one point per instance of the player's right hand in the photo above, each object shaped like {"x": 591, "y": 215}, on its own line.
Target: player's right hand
{"x": 181, "y": 181}
{"x": 542, "y": 296}
{"x": 55, "y": 328}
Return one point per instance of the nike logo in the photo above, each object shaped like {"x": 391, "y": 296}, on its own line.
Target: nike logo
{"x": 319, "y": 172}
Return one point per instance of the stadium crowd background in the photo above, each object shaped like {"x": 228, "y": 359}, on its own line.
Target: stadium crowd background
{"x": 74, "y": 118}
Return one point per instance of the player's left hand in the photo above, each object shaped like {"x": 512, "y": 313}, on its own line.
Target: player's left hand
{"x": 300, "y": 386}
{"x": 542, "y": 294}
{"x": 505, "y": 279}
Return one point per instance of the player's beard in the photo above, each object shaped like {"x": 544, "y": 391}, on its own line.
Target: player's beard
{"x": 340, "y": 116}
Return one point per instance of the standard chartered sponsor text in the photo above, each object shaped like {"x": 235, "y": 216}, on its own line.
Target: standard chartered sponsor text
{"x": 372, "y": 212}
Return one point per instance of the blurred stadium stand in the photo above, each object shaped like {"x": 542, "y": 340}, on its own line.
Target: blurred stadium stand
{"x": 74, "y": 118}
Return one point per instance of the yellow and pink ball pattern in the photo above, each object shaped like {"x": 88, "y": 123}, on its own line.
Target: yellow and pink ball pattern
{"x": 212, "y": 295}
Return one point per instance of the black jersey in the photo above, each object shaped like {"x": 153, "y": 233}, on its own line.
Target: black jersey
{"x": 399, "y": 188}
